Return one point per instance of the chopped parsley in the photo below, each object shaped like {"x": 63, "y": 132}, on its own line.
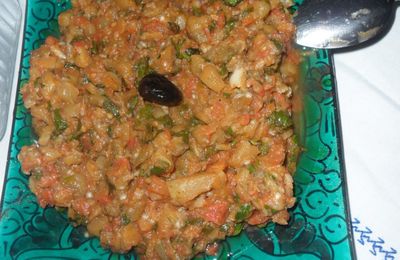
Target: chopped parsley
{"x": 244, "y": 212}
{"x": 251, "y": 168}
{"x": 156, "y": 170}
{"x": 111, "y": 107}
{"x": 125, "y": 219}
{"x": 280, "y": 120}
{"x": 132, "y": 103}
{"x": 237, "y": 229}
{"x": 142, "y": 67}
{"x": 174, "y": 27}
{"x": 232, "y": 3}
{"x": 59, "y": 123}
{"x": 212, "y": 26}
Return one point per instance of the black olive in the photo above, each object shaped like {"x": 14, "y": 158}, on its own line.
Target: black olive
{"x": 156, "y": 88}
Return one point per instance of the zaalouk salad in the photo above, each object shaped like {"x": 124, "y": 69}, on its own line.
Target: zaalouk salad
{"x": 165, "y": 126}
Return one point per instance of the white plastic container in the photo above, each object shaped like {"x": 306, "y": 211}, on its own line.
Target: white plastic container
{"x": 11, "y": 21}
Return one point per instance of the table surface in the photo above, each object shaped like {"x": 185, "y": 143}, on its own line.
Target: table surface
{"x": 369, "y": 101}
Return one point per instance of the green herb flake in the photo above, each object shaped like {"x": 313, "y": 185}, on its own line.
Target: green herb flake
{"x": 244, "y": 212}
{"x": 142, "y": 67}
{"x": 236, "y": 198}
{"x": 280, "y": 120}
{"x": 196, "y": 11}
{"x": 232, "y": 3}
{"x": 125, "y": 220}
{"x": 192, "y": 51}
{"x": 237, "y": 229}
{"x": 185, "y": 55}
{"x": 210, "y": 151}
{"x": 156, "y": 170}
{"x": 59, "y": 123}
{"x": 166, "y": 121}
{"x": 229, "y": 132}
{"x": 97, "y": 47}
{"x": 271, "y": 210}
{"x": 109, "y": 131}
{"x": 263, "y": 148}
{"x": 224, "y": 228}
{"x": 111, "y": 107}
{"x": 230, "y": 24}
{"x": 184, "y": 134}
{"x": 37, "y": 174}
{"x": 69, "y": 65}
{"x": 207, "y": 229}
{"x": 174, "y": 27}
{"x": 146, "y": 112}
{"x": 194, "y": 121}
{"x": 151, "y": 133}
{"x": 194, "y": 221}
{"x": 278, "y": 44}
{"x": 85, "y": 79}
{"x": 132, "y": 103}
{"x": 37, "y": 83}
{"x": 78, "y": 38}
{"x": 247, "y": 11}
{"x": 212, "y": 26}
{"x": 226, "y": 95}
{"x": 251, "y": 168}
{"x": 223, "y": 71}
{"x": 77, "y": 134}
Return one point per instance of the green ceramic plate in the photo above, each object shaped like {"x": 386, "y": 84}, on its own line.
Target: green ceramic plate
{"x": 320, "y": 224}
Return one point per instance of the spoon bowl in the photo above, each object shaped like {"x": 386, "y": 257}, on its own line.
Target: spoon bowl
{"x": 334, "y": 24}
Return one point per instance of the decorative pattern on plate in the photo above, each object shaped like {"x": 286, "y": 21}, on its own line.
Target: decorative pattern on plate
{"x": 377, "y": 245}
{"x": 319, "y": 227}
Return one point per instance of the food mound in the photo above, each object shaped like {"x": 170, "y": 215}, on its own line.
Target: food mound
{"x": 165, "y": 126}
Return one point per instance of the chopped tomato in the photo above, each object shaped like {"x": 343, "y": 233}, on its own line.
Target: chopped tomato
{"x": 257, "y": 218}
{"x": 81, "y": 206}
{"x": 158, "y": 186}
{"x": 132, "y": 143}
{"x": 51, "y": 40}
{"x": 212, "y": 249}
{"x": 244, "y": 119}
{"x": 218, "y": 110}
{"x": 155, "y": 26}
{"x": 276, "y": 154}
{"x": 103, "y": 198}
{"x": 281, "y": 101}
{"x": 48, "y": 180}
{"x": 248, "y": 20}
{"x": 121, "y": 166}
{"x": 216, "y": 212}
{"x": 221, "y": 21}
{"x": 45, "y": 197}
{"x": 81, "y": 21}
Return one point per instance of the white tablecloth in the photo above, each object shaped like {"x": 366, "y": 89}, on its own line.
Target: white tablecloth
{"x": 369, "y": 98}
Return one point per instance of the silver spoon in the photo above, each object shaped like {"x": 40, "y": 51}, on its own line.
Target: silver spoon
{"x": 334, "y": 24}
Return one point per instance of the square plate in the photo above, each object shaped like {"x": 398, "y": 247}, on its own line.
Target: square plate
{"x": 320, "y": 223}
